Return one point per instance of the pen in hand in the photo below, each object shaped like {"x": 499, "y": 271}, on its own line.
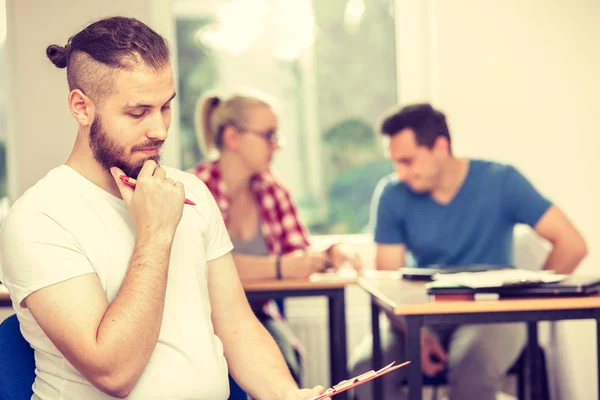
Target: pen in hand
{"x": 131, "y": 183}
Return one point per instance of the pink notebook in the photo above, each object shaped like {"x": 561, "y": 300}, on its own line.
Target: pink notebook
{"x": 359, "y": 380}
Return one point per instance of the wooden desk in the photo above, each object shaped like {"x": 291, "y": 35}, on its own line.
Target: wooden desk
{"x": 4, "y": 297}
{"x": 334, "y": 291}
{"x": 410, "y": 300}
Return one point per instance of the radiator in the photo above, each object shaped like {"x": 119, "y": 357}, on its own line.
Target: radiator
{"x": 313, "y": 333}
{"x": 308, "y": 318}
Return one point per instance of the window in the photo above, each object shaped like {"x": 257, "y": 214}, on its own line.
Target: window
{"x": 330, "y": 65}
{"x": 3, "y": 100}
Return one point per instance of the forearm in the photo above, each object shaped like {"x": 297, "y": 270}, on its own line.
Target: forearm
{"x": 383, "y": 262}
{"x": 129, "y": 330}
{"x": 565, "y": 257}
{"x": 386, "y": 267}
{"x": 256, "y": 362}
{"x": 255, "y": 267}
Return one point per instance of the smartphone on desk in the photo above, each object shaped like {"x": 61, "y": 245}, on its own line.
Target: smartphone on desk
{"x": 418, "y": 274}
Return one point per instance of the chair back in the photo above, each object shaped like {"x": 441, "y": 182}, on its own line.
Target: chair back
{"x": 235, "y": 391}
{"x": 17, "y": 363}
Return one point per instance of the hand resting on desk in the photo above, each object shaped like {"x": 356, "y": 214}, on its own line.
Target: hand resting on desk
{"x": 301, "y": 264}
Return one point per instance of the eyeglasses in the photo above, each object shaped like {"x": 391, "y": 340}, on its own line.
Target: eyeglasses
{"x": 270, "y": 136}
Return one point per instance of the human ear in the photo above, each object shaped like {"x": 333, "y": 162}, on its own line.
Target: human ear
{"x": 82, "y": 107}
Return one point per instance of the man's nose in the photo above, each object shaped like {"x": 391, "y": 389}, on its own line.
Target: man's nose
{"x": 159, "y": 129}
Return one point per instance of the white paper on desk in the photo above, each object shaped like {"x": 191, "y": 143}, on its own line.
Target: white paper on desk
{"x": 504, "y": 277}
{"x": 342, "y": 274}
{"x": 380, "y": 274}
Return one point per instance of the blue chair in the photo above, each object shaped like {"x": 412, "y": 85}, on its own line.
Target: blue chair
{"x": 235, "y": 391}
{"x": 17, "y": 363}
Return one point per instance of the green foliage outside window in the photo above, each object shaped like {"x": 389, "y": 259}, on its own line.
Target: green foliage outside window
{"x": 355, "y": 82}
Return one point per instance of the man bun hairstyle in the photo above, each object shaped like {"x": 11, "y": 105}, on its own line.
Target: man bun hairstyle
{"x": 92, "y": 56}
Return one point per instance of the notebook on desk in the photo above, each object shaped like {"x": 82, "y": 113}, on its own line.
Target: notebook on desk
{"x": 570, "y": 286}
{"x": 427, "y": 274}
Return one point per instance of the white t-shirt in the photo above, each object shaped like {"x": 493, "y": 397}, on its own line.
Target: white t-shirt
{"x": 64, "y": 227}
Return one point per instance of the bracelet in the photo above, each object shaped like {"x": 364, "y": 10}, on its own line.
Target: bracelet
{"x": 278, "y": 267}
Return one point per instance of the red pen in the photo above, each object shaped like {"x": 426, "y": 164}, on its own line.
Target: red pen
{"x": 131, "y": 183}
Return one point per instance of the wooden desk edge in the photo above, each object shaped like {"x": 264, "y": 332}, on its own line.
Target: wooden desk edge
{"x": 290, "y": 285}
{"x": 481, "y": 306}
{"x": 5, "y": 300}
{"x": 486, "y": 306}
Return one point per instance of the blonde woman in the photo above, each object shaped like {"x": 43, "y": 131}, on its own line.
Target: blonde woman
{"x": 240, "y": 133}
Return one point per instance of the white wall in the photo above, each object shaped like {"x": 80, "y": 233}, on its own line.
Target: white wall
{"x": 41, "y": 129}
{"x": 519, "y": 83}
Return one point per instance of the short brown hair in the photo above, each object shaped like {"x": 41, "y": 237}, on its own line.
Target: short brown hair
{"x": 92, "y": 55}
{"x": 426, "y": 122}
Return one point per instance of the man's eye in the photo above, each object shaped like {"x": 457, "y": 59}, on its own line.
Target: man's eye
{"x": 138, "y": 115}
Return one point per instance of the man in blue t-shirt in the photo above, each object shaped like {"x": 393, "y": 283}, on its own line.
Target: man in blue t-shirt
{"x": 451, "y": 211}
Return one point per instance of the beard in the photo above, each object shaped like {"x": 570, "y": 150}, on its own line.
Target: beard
{"x": 110, "y": 154}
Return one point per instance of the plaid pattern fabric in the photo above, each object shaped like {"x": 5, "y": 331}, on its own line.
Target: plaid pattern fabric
{"x": 280, "y": 226}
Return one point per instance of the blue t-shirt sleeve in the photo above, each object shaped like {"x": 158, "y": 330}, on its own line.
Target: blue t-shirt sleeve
{"x": 523, "y": 202}
{"x": 387, "y": 214}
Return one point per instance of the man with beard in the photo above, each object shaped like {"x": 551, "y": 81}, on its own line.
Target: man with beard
{"x": 127, "y": 292}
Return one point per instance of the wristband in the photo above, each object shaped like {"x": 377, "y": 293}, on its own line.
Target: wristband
{"x": 278, "y": 267}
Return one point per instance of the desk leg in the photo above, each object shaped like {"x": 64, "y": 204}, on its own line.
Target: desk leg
{"x": 413, "y": 352}
{"x": 377, "y": 355}
{"x": 598, "y": 349}
{"x": 532, "y": 374}
{"x": 337, "y": 339}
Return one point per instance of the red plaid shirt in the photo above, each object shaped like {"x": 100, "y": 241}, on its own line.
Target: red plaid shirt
{"x": 280, "y": 226}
